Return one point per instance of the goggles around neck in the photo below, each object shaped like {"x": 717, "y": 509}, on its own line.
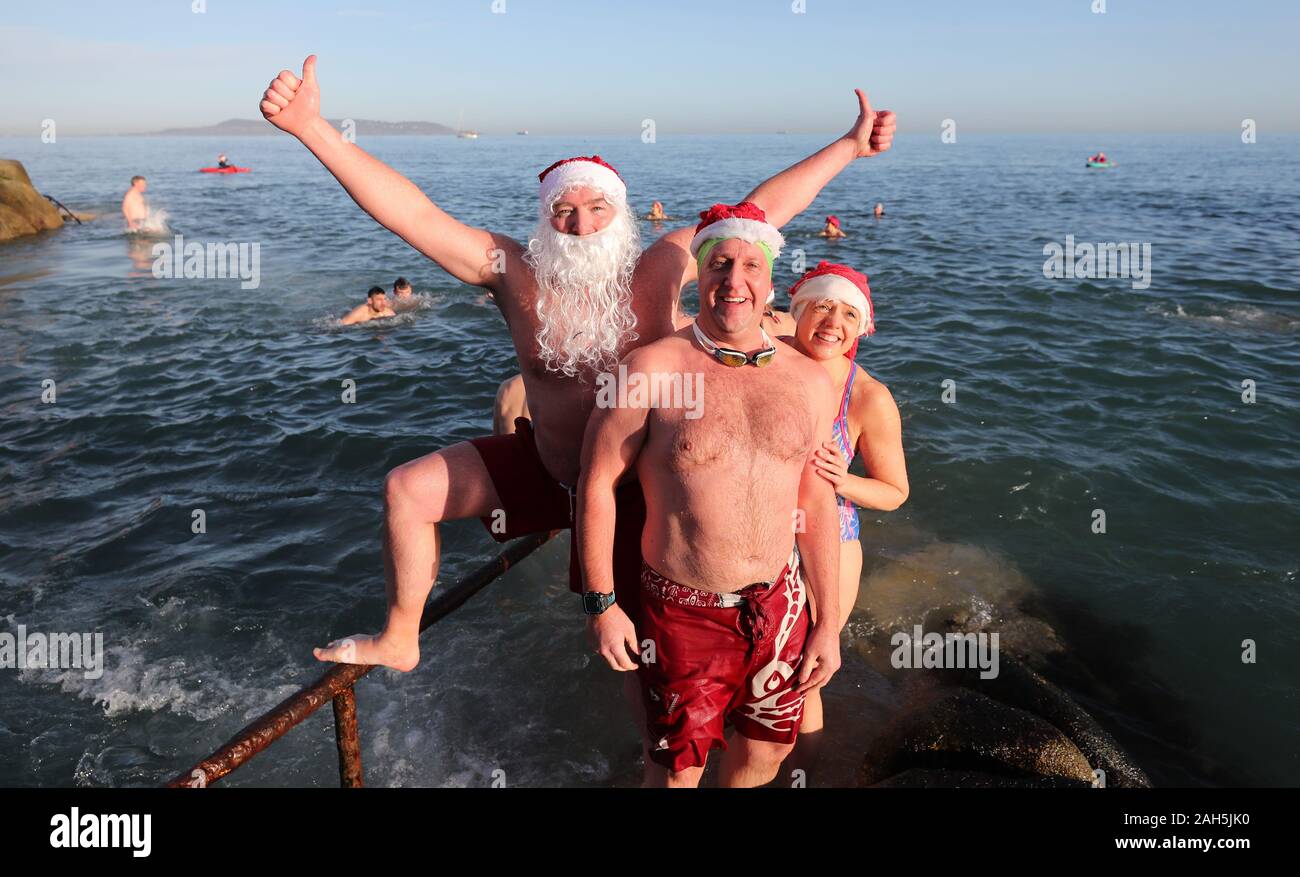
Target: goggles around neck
{"x": 736, "y": 358}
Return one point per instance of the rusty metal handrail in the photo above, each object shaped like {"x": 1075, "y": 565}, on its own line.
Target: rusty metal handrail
{"x": 336, "y": 686}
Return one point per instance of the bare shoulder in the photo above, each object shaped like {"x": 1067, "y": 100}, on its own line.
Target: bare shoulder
{"x": 662, "y": 355}
{"x": 871, "y": 398}
{"x": 806, "y": 368}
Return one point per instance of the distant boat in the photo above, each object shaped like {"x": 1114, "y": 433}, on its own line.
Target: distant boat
{"x": 463, "y": 132}
{"x": 523, "y": 133}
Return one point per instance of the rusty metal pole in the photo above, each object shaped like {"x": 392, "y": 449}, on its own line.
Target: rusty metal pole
{"x": 349, "y": 743}
{"x": 337, "y": 683}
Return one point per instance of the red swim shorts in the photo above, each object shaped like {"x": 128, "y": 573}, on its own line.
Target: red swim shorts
{"x": 720, "y": 659}
{"x": 535, "y": 502}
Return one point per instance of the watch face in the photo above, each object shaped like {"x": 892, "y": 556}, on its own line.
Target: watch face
{"x": 595, "y": 603}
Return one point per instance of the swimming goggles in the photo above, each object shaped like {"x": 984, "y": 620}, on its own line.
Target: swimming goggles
{"x": 736, "y": 358}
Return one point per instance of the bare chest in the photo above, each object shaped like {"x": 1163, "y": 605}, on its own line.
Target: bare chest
{"x": 745, "y": 416}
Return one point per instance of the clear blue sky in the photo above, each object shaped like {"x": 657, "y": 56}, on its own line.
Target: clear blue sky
{"x": 694, "y": 66}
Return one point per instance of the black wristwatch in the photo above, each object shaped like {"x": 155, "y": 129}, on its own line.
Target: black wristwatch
{"x": 594, "y": 602}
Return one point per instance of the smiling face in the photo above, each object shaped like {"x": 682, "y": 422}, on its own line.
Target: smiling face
{"x": 827, "y": 329}
{"x": 581, "y": 211}
{"x": 735, "y": 280}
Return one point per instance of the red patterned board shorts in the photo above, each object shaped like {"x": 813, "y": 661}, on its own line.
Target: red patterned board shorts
{"x": 718, "y": 659}
{"x": 535, "y": 502}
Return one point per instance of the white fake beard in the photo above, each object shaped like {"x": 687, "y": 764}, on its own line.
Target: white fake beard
{"x": 584, "y": 300}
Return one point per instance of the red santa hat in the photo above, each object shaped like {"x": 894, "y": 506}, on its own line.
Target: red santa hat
{"x": 833, "y": 220}
{"x": 745, "y": 221}
{"x": 582, "y": 170}
{"x": 837, "y": 282}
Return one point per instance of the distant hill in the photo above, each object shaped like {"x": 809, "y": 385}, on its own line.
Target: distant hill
{"x": 256, "y": 127}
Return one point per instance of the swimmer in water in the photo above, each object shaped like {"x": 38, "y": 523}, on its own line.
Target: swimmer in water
{"x": 656, "y": 213}
{"x": 222, "y": 161}
{"x": 134, "y": 207}
{"x": 376, "y": 307}
{"x": 879, "y": 211}
{"x": 403, "y": 294}
{"x": 832, "y": 229}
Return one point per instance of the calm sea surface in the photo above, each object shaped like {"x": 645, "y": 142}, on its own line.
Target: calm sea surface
{"x": 1071, "y": 395}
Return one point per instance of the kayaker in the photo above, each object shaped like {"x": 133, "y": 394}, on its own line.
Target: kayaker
{"x": 221, "y": 160}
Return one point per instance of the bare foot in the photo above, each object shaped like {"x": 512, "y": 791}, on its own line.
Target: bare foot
{"x": 363, "y": 649}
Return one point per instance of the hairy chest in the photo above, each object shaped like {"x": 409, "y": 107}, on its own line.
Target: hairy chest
{"x": 742, "y": 419}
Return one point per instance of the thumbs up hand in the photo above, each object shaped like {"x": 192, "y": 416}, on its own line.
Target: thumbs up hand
{"x": 290, "y": 103}
{"x": 874, "y": 131}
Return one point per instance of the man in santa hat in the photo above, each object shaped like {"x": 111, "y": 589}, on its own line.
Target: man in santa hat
{"x": 577, "y": 297}
{"x": 739, "y": 527}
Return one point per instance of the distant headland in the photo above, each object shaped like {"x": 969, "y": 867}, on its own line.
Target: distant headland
{"x": 258, "y": 127}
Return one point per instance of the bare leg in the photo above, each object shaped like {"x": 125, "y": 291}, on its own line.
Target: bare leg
{"x": 749, "y": 763}
{"x": 807, "y": 749}
{"x": 443, "y": 486}
{"x": 632, "y": 693}
{"x": 659, "y": 777}
{"x": 511, "y": 402}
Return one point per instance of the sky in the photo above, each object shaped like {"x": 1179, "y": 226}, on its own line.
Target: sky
{"x": 693, "y": 66}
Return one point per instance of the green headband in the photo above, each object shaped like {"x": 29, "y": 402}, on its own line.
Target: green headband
{"x": 707, "y": 247}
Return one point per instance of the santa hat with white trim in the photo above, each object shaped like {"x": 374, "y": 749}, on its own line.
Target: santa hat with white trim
{"x": 582, "y": 170}
{"x": 745, "y": 221}
{"x": 830, "y": 280}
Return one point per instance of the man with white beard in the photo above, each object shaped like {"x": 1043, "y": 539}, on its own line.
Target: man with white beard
{"x": 576, "y": 299}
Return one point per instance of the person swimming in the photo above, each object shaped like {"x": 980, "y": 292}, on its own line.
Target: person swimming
{"x": 375, "y": 307}
{"x": 134, "y": 207}
{"x": 403, "y": 295}
{"x": 656, "y": 213}
{"x": 879, "y": 211}
{"x": 832, "y": 229}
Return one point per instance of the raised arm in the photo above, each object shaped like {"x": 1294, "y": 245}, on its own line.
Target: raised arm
{"x": 613, "y": 440}
{"x": 786, "y": 195}
{"x": 789, "y": 193}
{"x": 468, "y": 254}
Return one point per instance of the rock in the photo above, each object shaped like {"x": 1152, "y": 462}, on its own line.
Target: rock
{"x": 964, "y": 730}
{"x": 1019, "y": 686}
{"x": 23, "y": 210}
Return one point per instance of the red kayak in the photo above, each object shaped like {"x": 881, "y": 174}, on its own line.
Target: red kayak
{"x": 224, "y": 170}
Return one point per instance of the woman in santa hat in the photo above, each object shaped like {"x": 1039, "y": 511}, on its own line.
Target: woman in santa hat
{"x": 831, "y": 306}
